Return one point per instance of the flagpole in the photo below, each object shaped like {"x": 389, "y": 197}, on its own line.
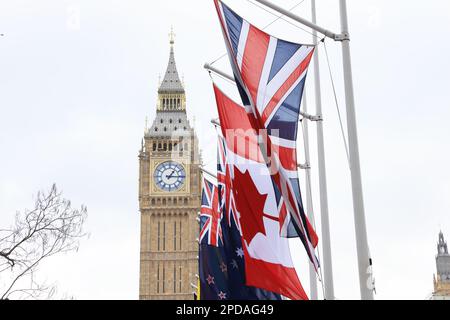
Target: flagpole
{"x": 309, "y": 207}
{"x": 364, "y": 260}
{"x": 362, "y": 247}
{"x": 325, "y": 221}
{"x": 209, "y": 173}
{"x": 209, "y": 67}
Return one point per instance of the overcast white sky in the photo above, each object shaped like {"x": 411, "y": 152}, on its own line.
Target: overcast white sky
{"x": 78, "y": 78}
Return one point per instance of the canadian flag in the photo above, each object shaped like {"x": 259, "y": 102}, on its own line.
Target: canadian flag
{"x": 261, "y": 212}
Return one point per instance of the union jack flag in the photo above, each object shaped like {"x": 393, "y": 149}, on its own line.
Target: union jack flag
{"x": 270, "y": 75}
{"x": 210, "y": 215}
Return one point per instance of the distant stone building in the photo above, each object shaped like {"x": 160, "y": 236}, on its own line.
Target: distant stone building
{"x": 169, "y": 196}
{"x": 442, "y": 278}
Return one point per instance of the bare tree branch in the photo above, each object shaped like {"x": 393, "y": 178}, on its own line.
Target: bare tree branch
{"x": 51, "y": 227}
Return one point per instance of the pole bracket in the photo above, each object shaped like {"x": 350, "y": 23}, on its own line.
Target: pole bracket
{"x": 310, "y": 117}
{"x": 215, "y": 122}
{"x": 342, "y": 37}
{"x": 305, "y": 166}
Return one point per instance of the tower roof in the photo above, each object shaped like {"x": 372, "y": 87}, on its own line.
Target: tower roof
{"x": 170, "y": 124}
{"x": 442, "y": 245}
{"x": 442, "y": 266}
{"x": 171, "y": 82}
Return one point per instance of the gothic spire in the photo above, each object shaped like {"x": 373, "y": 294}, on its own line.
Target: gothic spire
{"x": 171, "y": 82}
{"x": 442, "y": 245}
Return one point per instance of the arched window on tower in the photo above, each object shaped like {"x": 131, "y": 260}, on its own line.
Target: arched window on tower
{"x": 179, "y": 279}
{"x": 164, "y": 279}
{"x": 158, "y": 280}
{"x": 174, "y": 236}
{"x": 159, "y": 235}
{"x": 174, "y": 277}
{"x": 179, "y": 237}
{"x": 164, "y": 236}
{"x": 154, "y": 146}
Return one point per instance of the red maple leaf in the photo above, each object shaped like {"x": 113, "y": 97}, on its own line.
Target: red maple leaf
{"x": 250, "y": 204}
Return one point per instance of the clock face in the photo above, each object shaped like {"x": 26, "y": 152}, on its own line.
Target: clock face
{"x": 169, "y": 176}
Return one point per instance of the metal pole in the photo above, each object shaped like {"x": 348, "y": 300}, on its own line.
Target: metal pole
{"x": 325, "y": 221}
{"x": 209, "y": 67}
{"x": 358, "y": 201}
{"x": 309, "y": 207}
{"x": 202, "y": 169}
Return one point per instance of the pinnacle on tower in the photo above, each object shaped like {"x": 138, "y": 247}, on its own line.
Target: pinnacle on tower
{"x": 171, "y": 82}
{"x": 442, "y": 245}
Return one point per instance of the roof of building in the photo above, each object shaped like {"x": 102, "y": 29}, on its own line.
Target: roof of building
{"x": 171, "y": 82}
{"x": 168, "y": 124}
{"x": 442, "y": 245}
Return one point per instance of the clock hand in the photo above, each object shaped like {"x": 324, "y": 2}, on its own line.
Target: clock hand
{"x": 170, "y": 175}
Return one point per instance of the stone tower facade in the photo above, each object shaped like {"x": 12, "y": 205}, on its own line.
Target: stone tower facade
{"x": 169, "y": 196}
{"x": 442, "y": 278}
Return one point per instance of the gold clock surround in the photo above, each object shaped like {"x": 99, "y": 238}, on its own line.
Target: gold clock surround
{"x": 185, "y": 189}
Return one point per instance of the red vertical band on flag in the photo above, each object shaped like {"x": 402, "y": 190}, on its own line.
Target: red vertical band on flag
{"x": 238, "y": 128}
{"x": 253, "y": 60}
{"x": 287, "y": 156}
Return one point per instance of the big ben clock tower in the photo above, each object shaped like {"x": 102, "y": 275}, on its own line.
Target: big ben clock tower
{"x": 169, "y": 195}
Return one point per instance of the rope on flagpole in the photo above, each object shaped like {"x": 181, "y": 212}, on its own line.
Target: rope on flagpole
{"x": 336, "y": 101}
{"x": 281, "y": 16}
